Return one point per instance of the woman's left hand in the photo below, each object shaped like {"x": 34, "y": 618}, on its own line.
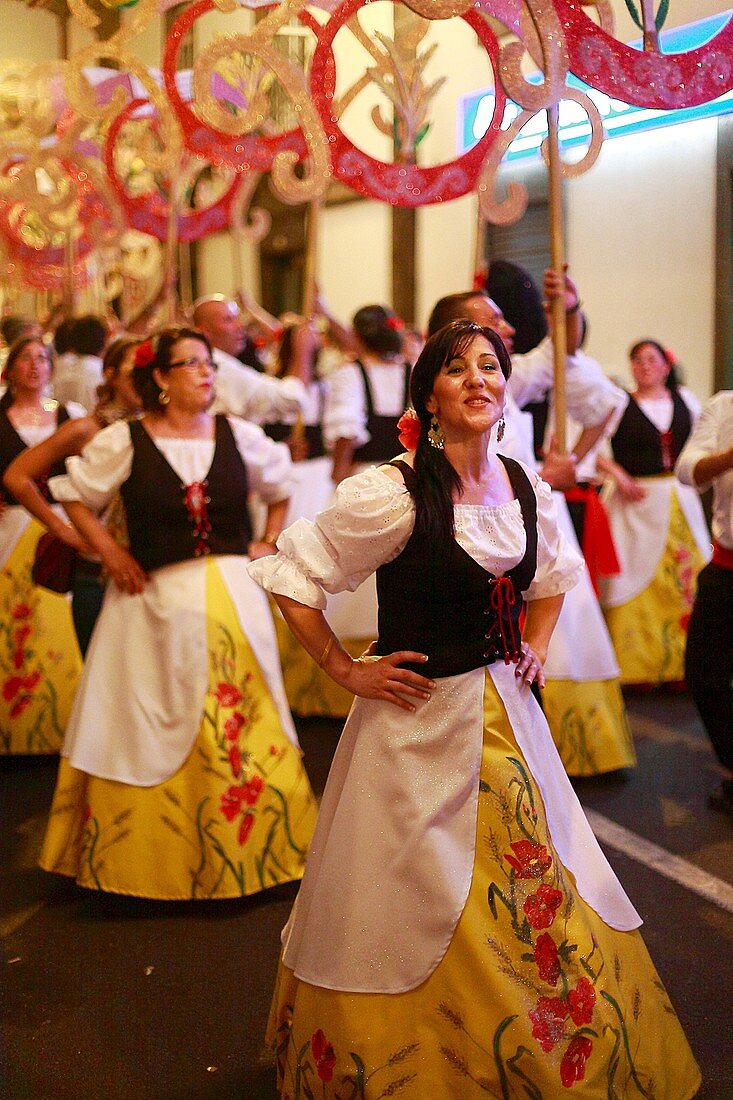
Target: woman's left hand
{"x": 259, "y": 549}
{"x": 530, "y": 666}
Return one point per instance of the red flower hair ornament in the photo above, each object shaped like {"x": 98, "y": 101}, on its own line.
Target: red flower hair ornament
{"x": 144, "y": 354}
{"x": 409, "y": 428}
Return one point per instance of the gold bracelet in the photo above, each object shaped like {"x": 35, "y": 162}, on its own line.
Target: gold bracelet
{"x": 326, "y": 650}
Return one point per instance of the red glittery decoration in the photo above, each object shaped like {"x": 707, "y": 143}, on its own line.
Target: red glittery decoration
{"x": 245, "y": 152}
{"x": 397, "y": 184}
{"x": 642, "y": 78}
{"x": 149, "y": 213}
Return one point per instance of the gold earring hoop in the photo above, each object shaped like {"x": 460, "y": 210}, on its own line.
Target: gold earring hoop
{"x": 163, "y": 397}
{"x": 436, "y": 435}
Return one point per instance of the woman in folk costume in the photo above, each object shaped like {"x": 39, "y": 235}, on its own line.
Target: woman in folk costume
{"x": 658, "y": 525}
{"x": 181, "y": 775}
{"x": 583, "y": 702}
{"x": 458, "y": 929}
{"x": 117, "y": 399}
{"x": 40, "y": 663}
{"x": 364, "y": 401}
{"x": 312, "y": 488}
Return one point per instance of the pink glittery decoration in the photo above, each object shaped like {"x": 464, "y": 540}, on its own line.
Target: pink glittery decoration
{"x": 654, "y": 80}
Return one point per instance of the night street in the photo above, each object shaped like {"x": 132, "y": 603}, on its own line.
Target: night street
{"x": 116, "y": 998}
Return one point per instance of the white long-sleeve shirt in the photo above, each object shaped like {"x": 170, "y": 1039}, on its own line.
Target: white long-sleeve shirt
{"x": 242, "y": 391}
{"x": 712, "y": 433}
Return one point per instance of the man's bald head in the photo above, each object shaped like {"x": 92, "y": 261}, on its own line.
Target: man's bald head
{"x": 220, "y": 318}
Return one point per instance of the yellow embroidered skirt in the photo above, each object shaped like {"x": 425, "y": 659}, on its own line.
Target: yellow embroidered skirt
{"x": 589, "y": 726}
{"x": 534, "y": 996}
{"x": 236, "y": 817}
{"x": 649, "y": 632}
{"x": 40, "y": 662}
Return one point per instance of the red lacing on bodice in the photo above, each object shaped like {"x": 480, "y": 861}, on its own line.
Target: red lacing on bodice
{"x": 503, "y": 597}
{"x": 196, "y": 501}
{"x": 666, "y": 440}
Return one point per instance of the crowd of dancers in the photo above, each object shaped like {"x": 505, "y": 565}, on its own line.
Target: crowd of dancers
{"x": 354, "y": 470}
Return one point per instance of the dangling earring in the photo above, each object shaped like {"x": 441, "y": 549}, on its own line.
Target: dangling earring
{"x": 436, "y": 436}
{"x": 500, "y": 429}
{"x": 163, "y": 397}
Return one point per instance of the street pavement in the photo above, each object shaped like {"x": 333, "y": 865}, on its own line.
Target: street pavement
{"x": 116, "y": 998}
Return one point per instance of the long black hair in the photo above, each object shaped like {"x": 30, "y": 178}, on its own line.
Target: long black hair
{"x": 438, "y": 481}
{"x": 672, "y": 380}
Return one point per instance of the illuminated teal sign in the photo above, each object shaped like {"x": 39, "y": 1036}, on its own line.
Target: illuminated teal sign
{"x": 476, "y": 109}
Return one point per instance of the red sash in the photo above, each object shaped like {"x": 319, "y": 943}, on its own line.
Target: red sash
{"x": 598, "y": 549}
{"x": 722, "y": 556}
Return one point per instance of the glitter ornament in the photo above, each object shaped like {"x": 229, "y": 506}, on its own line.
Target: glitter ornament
{"x": 400, "y": 184}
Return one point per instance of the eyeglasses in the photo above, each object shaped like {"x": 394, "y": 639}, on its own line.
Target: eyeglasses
{"x": 193, "y": 363}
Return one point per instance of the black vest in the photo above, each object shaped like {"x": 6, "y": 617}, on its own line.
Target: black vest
{"x": 637, "y": 444}
{"x": 439, "y": 601}
{"x": 384, "y": 441}
{"x": 169, "y": 522}
{"x": 313, "y": 433}
{"x": 11, "y": 445}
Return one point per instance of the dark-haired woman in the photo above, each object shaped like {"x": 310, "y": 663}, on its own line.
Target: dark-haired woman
{"x": 368, "y": 396}
{"x": 117, "y": 398}
{"x": 365, "y": 399}
{"x": 181, "y": 775}
{"x": 79, "y": 371}
{"x": 658, "y": 525}
{"x": 458, "y": 928}
{"x": 40, "y": 661}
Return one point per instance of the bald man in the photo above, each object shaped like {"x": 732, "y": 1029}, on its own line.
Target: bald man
{"x": 240, "y": 389}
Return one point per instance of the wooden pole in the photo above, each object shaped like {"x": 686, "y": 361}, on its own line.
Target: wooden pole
{"x": 175, "y": 200}
{"x": 557, "y": 262}
{"x": 310, "y": 266}
{"x": 651, "y": 35}
{"x": 237, "y": 268}
{"x": 479, "y": 259}
{"x": 70, "y": 292}
{"x": 186, "y": 275}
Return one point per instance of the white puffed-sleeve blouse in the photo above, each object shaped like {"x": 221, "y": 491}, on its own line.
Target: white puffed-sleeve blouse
{"x": 370, "y": 522}
{"x": 95, "y": 476}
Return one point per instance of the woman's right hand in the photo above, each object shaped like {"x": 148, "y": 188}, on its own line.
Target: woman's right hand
{"x": 373, "y": 677}
{"x": 630, "y": 489}
{"x": 124, "y": 570}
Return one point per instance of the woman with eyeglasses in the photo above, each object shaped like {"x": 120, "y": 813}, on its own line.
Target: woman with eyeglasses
{"x": 181, "y": 774}
{"x": 40, "y": 661}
